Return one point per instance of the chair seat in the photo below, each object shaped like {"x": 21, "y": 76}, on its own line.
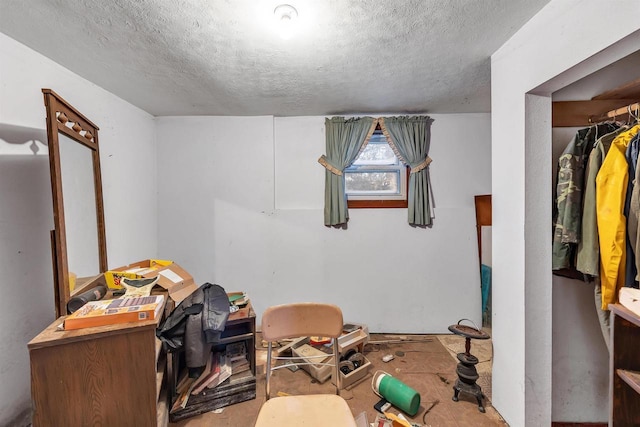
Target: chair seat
{"x": 320, "y": 410}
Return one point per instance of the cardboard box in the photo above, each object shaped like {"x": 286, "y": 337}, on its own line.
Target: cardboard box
{"x": 355, "y": 375}
{"x": 177, "y": 281}
{"x": 302, "y": 350}
{"x": 354, "y": 340}
{"x": 137, "y": 270}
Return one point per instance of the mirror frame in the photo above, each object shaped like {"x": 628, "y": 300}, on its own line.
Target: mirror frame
{"x": 63, "y": 118}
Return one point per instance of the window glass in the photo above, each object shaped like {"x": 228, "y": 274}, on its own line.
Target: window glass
{"x": 376, "y": 175}
{"x": 377, "y": 152}
{"x": 382, "y": 182}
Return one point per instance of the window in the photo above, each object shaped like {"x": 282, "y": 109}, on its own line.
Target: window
{"x": 376, "y": 179}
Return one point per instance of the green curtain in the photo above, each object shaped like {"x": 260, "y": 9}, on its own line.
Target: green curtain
{"x": 410, "y": 137}
{"x": 344, "y": 140}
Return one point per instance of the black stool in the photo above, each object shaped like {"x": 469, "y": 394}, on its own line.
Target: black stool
{"x": 466, "y": 369}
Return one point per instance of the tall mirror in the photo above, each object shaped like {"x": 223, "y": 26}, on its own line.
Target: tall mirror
{"x": 78, "y": 241}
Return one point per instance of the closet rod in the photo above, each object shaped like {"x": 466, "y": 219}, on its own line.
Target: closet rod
{"x": 622, "y": 111}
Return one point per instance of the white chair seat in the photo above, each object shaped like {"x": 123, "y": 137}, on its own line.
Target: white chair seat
{"x": 320, "y": 410}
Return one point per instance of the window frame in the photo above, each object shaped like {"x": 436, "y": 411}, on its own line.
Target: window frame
{"x": 361, "y": 202}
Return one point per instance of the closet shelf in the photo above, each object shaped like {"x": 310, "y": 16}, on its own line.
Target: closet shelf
{"x": 627, "y": 90}
{"x": 583, "y": 113}
{"x": 630, "y": 377}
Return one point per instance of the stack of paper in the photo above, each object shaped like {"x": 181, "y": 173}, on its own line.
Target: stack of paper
{"x": 630, "y": 298}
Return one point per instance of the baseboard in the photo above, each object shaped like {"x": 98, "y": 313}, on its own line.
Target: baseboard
{"x": 22, "y": 420}
{"x": 565, "y": 424}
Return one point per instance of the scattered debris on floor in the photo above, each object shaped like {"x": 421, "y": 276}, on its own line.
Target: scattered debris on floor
{"x": 387, "y": 358}
{"x": 400, "y": 355}
{"x": 442, "y": 378}
{"x": 392, "y": 420}
{"x": 429, "y": 408}
{"x": 402, "y": 339}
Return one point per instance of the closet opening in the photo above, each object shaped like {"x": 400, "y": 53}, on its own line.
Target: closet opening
{"x": 580, "y": 328}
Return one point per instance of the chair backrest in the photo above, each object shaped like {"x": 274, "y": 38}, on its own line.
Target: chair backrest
{"x": 302, "y": 320}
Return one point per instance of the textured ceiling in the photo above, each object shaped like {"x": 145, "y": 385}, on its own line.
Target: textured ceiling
{"x": 224, "y": 57}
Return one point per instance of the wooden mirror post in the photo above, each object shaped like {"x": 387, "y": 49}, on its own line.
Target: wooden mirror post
{"x": 64, "y": 120}
{"x": 483, "y": 218}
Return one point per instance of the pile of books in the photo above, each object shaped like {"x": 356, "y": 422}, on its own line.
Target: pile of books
{"x": 220, "y": 367}
{"x": 237, "y": 356}
{"x": 237, "y": 300}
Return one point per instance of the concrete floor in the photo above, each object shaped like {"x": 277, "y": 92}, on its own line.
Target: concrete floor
{"x": 426, "y": 363}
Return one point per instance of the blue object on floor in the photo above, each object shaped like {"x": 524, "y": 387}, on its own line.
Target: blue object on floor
{"x": 485, "y": 276}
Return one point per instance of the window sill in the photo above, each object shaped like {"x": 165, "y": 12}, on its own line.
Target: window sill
{"x": 376, "y": 204}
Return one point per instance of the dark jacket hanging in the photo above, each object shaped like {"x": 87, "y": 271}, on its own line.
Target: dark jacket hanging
{"x": 196, "y": 323}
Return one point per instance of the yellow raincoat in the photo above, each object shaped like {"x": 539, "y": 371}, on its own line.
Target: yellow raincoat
{"x": 611, "y": 188}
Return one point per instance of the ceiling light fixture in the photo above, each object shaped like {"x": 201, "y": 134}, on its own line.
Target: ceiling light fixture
{"x": 285, "y": 15}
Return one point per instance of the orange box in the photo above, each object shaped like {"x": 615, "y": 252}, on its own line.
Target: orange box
{"x": 113, "y": 311}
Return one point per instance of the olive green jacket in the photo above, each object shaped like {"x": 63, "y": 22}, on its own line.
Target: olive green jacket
{"x": 588, "y": 258}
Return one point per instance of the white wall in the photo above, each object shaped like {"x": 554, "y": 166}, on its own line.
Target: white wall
{"x": 128, "y": 158}
{"x": 242, "y": 206}
{"x": 27, "y": 290}
{"x": 550, "y": 49}
{"x": 580, "y": 357}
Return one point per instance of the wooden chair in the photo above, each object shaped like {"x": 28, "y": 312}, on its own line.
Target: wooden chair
{"x": 293, "y": 321}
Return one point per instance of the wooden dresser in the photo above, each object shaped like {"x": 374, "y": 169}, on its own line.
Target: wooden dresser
{"x": 110, "y": 376}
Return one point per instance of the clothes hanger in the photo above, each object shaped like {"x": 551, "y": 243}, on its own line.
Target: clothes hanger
{"x": 613, "y": 125}
{"x": 635, "y": 117}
